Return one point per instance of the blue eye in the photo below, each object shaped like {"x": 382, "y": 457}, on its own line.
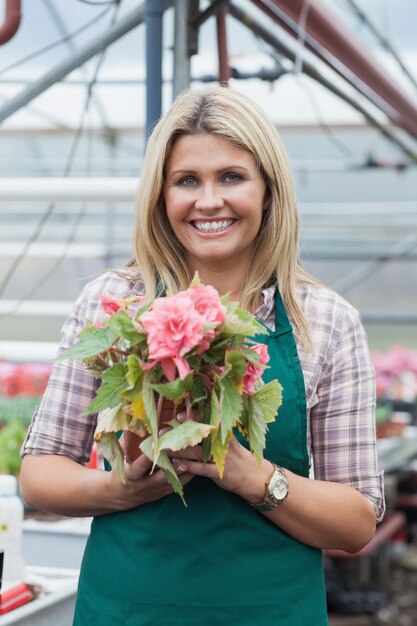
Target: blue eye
{"x": 232, "y": 178}
{"x": 187, "y": 181}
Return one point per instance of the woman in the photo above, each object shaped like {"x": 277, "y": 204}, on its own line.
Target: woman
{"x": 216, "y": 196}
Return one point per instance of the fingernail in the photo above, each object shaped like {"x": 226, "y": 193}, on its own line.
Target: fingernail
{"x": 180, "y": 469}
{"x": 181, "y": 416}
{"x": 163, "y": 431}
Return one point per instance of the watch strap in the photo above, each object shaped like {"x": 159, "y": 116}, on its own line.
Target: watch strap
{"x": 267, "y": 504}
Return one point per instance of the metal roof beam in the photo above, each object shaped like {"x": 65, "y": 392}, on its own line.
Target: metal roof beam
{"x": 310, "y": 70}
{"x": 323, "y": 25}
{"x": 84, "y": 53}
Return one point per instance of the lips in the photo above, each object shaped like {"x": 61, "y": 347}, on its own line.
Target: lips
{"x": 212, "y": 226}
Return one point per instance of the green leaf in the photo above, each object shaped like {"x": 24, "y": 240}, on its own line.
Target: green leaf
{"x": 235, "y": 364}
{"x": 243, "y": 323}
{"x": 196, "y": 280}
{"x": 263, "y": 407}
{"x": 109, "y": 447}
{"x": 198, "y": 390}
{"x": 269, "y": 398}
{"x": 91, "y": 342}
{"x": 164, "y": 463}
{"x": 243, "y": 423}
{"x": 215, "y": 409}
{"x": 257, "y": 429}
{"x": 174, "y": 390}
{"x": 111, "y": 420}
{"x": 117, "y": 419}
{"x": 134, "y": 371}
{"x": 148, "y": 397}
{"x": 189, "y": 433}
{"x": 231, "y": 406}
{"x": 122, "y": 324}
{"x": 216, "y": 351}
{"x": 108, "y": 394}
{"x": 231, "y": 305}
{"x": 250, "y": 355}
{"x": 219, "y": 450}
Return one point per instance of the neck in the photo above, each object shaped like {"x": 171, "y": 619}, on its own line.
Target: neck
{"x": 224, "y": 280}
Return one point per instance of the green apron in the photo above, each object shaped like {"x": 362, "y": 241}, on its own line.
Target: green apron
{"x": 218, "y": 562}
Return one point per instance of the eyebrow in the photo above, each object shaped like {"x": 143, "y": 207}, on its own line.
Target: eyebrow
{"x": 222, "y": 169}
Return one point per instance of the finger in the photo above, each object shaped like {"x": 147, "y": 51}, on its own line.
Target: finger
{"x": 209, "y": 470}
{"x": 168, "y": 411}
{"x": 194, "y": 415}
{"x": 130, "y": 442}
{"x": 193, "y": 453}
{"x": 138, "y": 468}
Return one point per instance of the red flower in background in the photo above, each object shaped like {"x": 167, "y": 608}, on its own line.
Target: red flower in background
{"x": 23, "y": 379}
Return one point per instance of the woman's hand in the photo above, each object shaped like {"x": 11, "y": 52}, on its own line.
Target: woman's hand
{"x": 242, "y": 474}
{"x": 142, "y": 487}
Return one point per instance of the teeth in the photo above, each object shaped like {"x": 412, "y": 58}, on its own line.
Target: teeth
{"x": 213, "y": 227}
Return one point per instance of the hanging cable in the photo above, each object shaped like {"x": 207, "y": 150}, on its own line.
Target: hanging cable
{"x": 327, "y": 130}
{"x": 400, "y": 249}
{"x": 55, "y": 44}
{"x": 100, "y": 2}
{"x": 298, "y": 64}
{"x": 60, "y": 25}
{"x": 384, "y": 41}
{"x": 46, "y": 215}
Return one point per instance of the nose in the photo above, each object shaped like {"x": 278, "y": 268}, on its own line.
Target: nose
{"x": 209, "y": 198}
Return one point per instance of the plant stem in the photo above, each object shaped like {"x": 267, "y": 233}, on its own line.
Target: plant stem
{"x": 206, "y": 380}
{"x": 188, "y": 407}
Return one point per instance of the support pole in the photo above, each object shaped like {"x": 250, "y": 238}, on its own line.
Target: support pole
{"x": 154, "y": 24}
{"x": 12, "y": 19}
{"x": 224, "y": 69}
{"x": 112, "y": 34}
{"x": 310, "y": 70}
{"x": 322, "y": 26}
{"x": 181, "y": 75}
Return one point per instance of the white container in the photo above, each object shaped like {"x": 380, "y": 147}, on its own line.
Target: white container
{"x": 11, "y": 519}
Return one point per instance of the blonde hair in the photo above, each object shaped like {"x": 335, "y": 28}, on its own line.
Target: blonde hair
{"x": 158, "y": 256}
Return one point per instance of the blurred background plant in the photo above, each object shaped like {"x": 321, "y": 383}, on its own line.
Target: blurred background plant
{"x": 21, "y": 387}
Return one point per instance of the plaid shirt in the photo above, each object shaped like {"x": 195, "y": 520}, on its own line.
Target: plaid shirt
{"x": 339, "y": 381}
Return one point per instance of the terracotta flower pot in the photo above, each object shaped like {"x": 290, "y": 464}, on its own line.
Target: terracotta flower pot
{"x": 130, "y": 442}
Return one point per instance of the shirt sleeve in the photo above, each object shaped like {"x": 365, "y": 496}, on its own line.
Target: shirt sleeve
{"x": 343, "y": 419}
{"x": 59, "y": 426}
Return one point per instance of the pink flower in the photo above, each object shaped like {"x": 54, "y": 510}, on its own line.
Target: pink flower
{"x": 207, "y": 302}
{"x": 174, "y": 328}
{"x": 254, "y": 372}
{"x": 109, "y": 305}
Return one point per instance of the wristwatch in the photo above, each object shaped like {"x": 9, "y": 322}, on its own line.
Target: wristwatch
{"x": 276, "y": 490}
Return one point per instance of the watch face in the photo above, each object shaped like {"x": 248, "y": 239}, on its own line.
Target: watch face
{"x": 279, "y": 488}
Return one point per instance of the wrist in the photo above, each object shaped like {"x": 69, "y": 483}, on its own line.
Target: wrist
{"x": 255, "y": 487}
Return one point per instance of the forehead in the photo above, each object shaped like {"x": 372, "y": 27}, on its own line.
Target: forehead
{"x": 202, "y": 148}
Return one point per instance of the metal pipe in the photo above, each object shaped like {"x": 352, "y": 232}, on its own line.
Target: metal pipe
{"x": 64, "y": 32}
{"x": 181, "y": 77}
{"x": 359, "y": 274}
{"x": 384, "y": 41}
{"x": 86, "y": 52}
{"x": 154, "y": 26}
{"x": 325, "y": 27}
{"x": 308, "y": 42}
{"x": 224, "y": 68}
{"x": 212, "y": 9}
{"x": 12, "y": 19}
{"x": 310, "y": 70}
{"x": 66, "y": 189}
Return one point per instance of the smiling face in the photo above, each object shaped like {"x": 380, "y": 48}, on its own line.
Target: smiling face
{"x": 214, "y": 198}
